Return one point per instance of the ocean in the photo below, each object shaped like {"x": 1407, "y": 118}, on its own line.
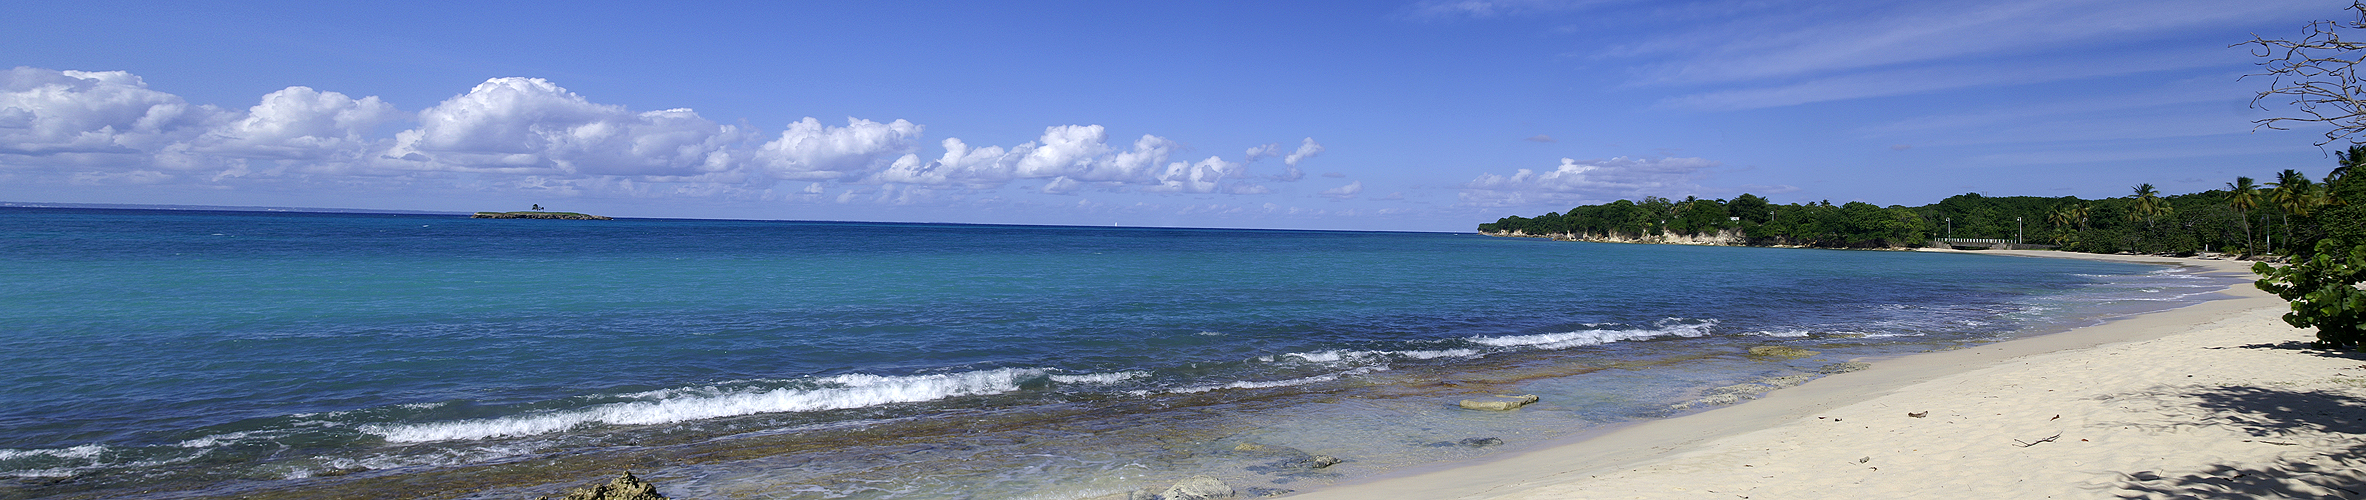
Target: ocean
{"x": 192, "y": 354}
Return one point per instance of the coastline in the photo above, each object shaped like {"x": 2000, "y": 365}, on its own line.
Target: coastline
{"x": 2217, "y": 398}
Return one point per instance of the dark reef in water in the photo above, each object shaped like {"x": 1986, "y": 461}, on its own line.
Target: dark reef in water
{"x": 536, "y": 215}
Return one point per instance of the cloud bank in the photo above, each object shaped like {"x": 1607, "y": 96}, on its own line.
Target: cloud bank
{"x": 529, "y": 133}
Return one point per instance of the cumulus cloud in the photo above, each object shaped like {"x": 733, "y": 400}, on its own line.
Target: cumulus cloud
{"x": 1589, "y": 181}
{"x": 301, "y": 123}
{"x": 531, "y": 126}
{"x": 809, "y": 150}
{"x": 531, "y": 135}
{"x": 1207, "y": 176}
{"x": 48, "y": 114}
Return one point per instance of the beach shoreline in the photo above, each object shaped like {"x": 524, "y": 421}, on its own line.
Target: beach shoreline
{"x": 2193, "y": 401}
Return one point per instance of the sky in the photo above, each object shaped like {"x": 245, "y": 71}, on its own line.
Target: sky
{"x": 1385, "y": 115}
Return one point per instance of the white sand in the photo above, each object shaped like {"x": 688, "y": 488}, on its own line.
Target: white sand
{"x": 2216, "y": 400}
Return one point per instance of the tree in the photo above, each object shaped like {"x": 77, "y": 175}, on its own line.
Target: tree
{"x": 2244, "y": 197}
{"x": 2319, "y": 73}
{"x": 2293, "y": 195}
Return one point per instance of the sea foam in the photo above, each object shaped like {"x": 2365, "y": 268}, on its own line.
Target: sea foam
{"x": 831, "y": 393}
{"x": 1581, "y": 338}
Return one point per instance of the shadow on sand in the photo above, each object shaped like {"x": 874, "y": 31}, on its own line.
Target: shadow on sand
{"x": 2303, "y": 417}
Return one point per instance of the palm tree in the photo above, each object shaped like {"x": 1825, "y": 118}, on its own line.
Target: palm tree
{"x": 2149, "y": 205}
{"x": 2245, "y": 198}
{"x": 2292, "y": 194}
{"x": 2347, "y": 162}
{"x": 2062, "y": 217}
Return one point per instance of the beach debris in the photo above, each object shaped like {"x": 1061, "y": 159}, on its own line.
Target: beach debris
{"x": 1781, "y": 352}
{"x": 1500, "y": 402}
{"x": 1867, "y": 458}
{"x": 625, "y": 487}
{"x": 1844, "y": 367}
{"x": 1919, "y": 414}
{"x": 1198, "y": 488}
{"x": 2048, "y": 439}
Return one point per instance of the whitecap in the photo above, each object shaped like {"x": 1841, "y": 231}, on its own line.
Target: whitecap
{"x": 1099, "y": 378}
{"x": 1581, "y": 338}
{"x": 832, "y": 393}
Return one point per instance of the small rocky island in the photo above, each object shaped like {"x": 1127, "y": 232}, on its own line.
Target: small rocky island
{"x": 537, "y": 215}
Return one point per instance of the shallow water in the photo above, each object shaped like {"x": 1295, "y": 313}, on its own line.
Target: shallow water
{"x": 316, "y": 355}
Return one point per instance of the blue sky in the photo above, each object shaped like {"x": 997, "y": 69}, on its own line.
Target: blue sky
{"x": 1419, "y": 115}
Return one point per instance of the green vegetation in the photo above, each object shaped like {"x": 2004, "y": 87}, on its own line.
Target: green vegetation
{"x": 2324, "y": 292}
{"x": 536, "y": 215}
{"x": 2288, "y": 216}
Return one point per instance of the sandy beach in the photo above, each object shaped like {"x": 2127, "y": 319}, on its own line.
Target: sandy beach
{"x": 2216, "y": 400}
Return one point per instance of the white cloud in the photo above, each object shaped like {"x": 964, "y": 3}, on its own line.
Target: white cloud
{"x": 531, "y": 126}
{"x": 1589, "y": 181}
{"x": 46, "y": 113}
{"x": 1261, "y": 152}
{"x": 1082, "y": 152}
{"x": 301, "y": 123}
{"x": 531, "y": 135}
{"x": 1347, "y": 191}
{"x": 810, "y": 151}
{"x": 1307, "y": 149}
{"x": 1207, "y": 176}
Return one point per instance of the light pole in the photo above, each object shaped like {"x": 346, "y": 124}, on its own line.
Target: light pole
{"x": 1951, "y": 228}
{"x": 2016, "y": 231}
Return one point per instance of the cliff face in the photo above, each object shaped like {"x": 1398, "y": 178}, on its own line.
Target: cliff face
{"x": 536, "y": 215}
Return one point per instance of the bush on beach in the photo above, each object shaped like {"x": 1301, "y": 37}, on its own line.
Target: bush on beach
{"x": 2324, "y": 292}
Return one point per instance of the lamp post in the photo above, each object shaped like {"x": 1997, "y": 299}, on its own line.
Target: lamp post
{"x": 2016, "y": 231}
{"x": 1951, "y": 228}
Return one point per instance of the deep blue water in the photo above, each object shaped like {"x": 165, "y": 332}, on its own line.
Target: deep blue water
{"x": 183, "y": 348}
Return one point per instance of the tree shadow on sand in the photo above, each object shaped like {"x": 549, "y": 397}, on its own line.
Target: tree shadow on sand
{"x": 2280, "y": 418}
{"x": 2305, "y": 347}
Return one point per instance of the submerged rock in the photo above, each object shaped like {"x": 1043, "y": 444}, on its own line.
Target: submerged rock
{"x": 1786, "y": 381}
{"x": 1783, "y": 352}
{"x": 1843, "y": 367}
{"x": 1321, "y": 461}
{"x": 1479, "y": 442}
{"x": 1198, "y": 488}
{"x": 624, "y": 487}
{"x": 1500, "y": 402}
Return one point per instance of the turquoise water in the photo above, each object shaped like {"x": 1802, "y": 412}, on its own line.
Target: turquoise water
{"x": 185, "y": 353}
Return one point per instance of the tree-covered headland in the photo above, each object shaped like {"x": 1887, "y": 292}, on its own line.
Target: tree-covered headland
{"x": 2246, "y": 217}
